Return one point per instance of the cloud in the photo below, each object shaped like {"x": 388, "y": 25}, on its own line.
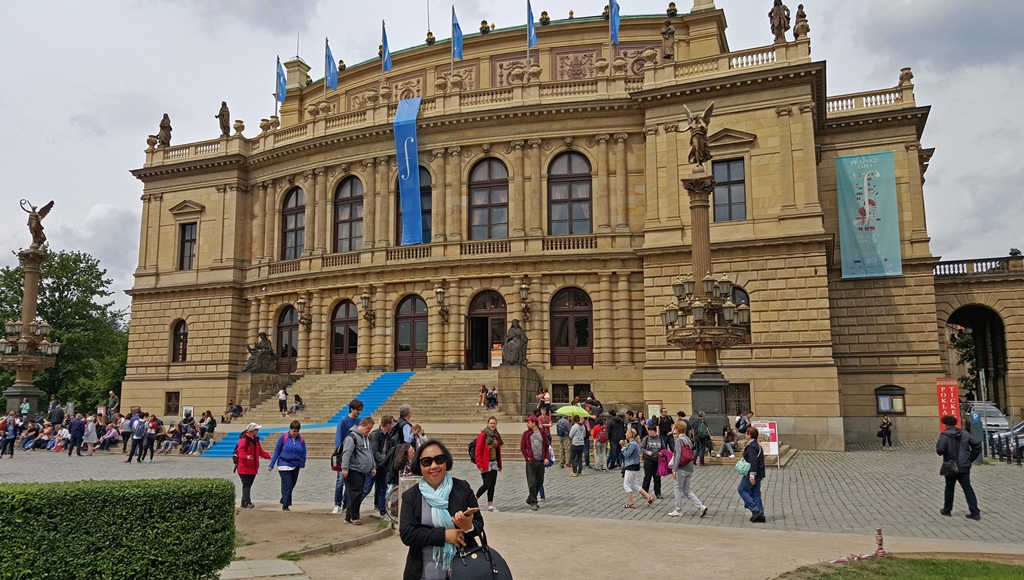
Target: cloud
{"x": 272, "y": 16}
{"x": 89, "y": 124}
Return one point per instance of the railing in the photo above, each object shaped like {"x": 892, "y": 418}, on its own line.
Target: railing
{"x": 335, "y": 260}
{"x": 973, "y": 267}
{"x": 868, "y": 100}
{"x": 485, "y": 247}
{"x": 570, "y": 243}
{"x": 346, "y": 120}
{"x": 193, "y": 150}
{"x": 291, "y": 133}
{"x": 692, "y": 69}
{"x": 569, "y": 89}
{"x": 634, "y": 85}
{"x": 420, "y": 252}
{"x": 487, "y": 97}
{"x": 751, "y": 58}
{"x": 284, "y": 267}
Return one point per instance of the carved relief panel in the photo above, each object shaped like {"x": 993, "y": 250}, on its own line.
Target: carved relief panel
{"x": 407, "y": 86}
{"x": 502, "y": 65}
{"x": 574, "y": 63}
{"x": 632, "y": 53}
{"x": 362, "y": 97}
{"x": 468, "y": 70}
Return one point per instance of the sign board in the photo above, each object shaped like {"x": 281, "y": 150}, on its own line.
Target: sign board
{"x": 187, "y": 410}
{"x": 495, "y": 355}
{"x": 653, "y": 408}
{"x": 768, "y": 436}
{"x": 948, "y": 391}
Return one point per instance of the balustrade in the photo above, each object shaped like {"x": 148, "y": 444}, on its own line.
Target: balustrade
{"x": 420, "y": 252}
{"x": 284, "y": 267}
{"x": 485, "y": 247}
{"x": 570, "y": 243}
{"x": 336, "y": 260}
{"x": 973, "y": 267}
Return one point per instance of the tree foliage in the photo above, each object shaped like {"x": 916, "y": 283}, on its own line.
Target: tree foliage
{"x": 963, "y": 344}
{"x": 73, "y": 293}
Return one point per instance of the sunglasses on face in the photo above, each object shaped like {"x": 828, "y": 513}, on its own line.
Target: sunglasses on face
{"x": 436, "y": 460}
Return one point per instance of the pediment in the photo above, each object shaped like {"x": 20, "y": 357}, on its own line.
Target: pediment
{"x": 187, "y": 207}
{"x": 731, "y": 137}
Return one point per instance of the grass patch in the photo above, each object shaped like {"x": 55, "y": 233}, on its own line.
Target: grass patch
{"x": 238, "y": 558}
{"x": 240, "y": 540}
{"x": 292, "y": 556}
{"x": 383, "y": 525}
{"x": 907, "y": 569}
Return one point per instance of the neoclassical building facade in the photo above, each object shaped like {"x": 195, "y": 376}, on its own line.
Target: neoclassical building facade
{"x": 550, "y": 193}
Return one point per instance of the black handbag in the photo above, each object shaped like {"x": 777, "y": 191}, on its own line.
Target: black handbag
{"x": 950, "y": 467}
{"x": 479, "y": 563}
{"x": 879, "y": 434}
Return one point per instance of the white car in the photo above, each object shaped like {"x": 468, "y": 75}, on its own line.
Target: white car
{"x": 992, "y": 419}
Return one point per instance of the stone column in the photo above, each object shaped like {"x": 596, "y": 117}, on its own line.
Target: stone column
{"x": 325, "y": 211}
{"x": 605, "y": 319}
{"x": 260, "y": 231}
{"x": 918, "y": 229}
{"x": 385, "y": 208}
{"x": 670, "y": 212}
{"x": 309, "y": 182}
{"x": 517, "y": 202}
{"x": 620, "y": 199}
{"x": 266, "y": 324}
{"x": 369, "y": 203}
{"x": 437, "y": 331}
{"x": 651, "y": 175}
{"x": 624, "y": 322}
{"x": 454, "y": 354}
{"x": 786, "y": 189}
{"x": 364, "y": 352}
{"x": 254, "y": 319}
{"x": 601, "y": 200}
{"x": 699, "y": 186}
{"x": 270, "y": 211}
{"x": 438, "y": 186}
{"x": 533, "y": 212}
{"x": 381, "y": 331}
{"x": 144, "y": 232}
{"x": 23, "y": 387}
{"x": 155, "y": 209}
{"x": 454, "y": 198}
{"x": 302, "y": 364}
{"x": 317, "y": 332}
{"x": 809, "y": 163}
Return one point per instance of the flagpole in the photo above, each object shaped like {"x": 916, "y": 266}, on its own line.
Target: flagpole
{"x": 326, "y": 48}
{"x": 452, "y": 73}
{"x": 527, "y": 39}
{"x": 276, "y": 69}
{"x": 382, "y": 52}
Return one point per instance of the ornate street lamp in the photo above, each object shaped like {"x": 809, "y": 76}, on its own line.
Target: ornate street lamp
{"x": 524, "y": 297}
{"x": 304, "y": 319}
{"x": 368, "y": 315}
{"x": 442, "y": 310}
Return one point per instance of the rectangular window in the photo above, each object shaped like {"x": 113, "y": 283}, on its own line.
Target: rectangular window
{"x": 172, "y": 403}
{"x": 187, "y": 246}
{"x": 730, "y": 199}
{"x": 560, "y": 393}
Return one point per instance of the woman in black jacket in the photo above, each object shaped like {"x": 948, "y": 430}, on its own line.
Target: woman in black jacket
{"x": 750, "y": 486}
{"x": 432, "y": 542}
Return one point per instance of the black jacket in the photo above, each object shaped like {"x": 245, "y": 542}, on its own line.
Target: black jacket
{"x": 755, "y": 457}
{"x": 616, "y": 429}
{"x": 417, "y": 536}
{"x": 964, "y": 454}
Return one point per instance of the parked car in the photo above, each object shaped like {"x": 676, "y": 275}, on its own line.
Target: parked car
{"x": 1004, "y": 442}
{"x": 992, "y": 419}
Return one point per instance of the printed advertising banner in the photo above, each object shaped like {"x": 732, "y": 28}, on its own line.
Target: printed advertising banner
{"x": 409, "y": 171}
{"x": 948, "y": 390}
{"x": 869, "y": 230}
{"x": 768, "y": 436}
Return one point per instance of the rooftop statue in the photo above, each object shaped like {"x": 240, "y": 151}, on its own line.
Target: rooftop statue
{"x": 779, "y": 18}
{"x": 163, "y": 138}
{"x": 224, "y": 115}
{"x": 698, "y": 128}
{"x": 668, "y": 41}
{"x": 35, "y": 221}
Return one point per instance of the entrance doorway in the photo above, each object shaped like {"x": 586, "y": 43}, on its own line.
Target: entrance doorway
{"x": 344, "y": 337}
{"x": 485, "y": 328}
{"x": 411, "y": 334}
{"x": 287, "y": 341}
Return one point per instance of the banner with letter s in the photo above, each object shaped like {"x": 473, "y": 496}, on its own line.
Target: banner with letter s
{"x": 869, "y": 229}
{"x": 408, "y": 171}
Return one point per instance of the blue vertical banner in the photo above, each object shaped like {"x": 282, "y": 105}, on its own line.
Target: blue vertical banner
{"x": 613, "y": 21}
{"x": 869, "y": 229}
{"x": 408, "y": 171}
{"x": 281, "y": 82}
{"x": 456, "y": 37}
{"x": 531, "y": 28}
{"x": 385, "y": 51}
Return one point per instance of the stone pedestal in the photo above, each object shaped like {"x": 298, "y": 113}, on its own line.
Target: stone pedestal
{"x": 517, "y": 390}
{"x": 252, "y": 389}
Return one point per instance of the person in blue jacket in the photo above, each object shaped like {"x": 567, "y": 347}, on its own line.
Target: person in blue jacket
{"x": 289, "y": 457}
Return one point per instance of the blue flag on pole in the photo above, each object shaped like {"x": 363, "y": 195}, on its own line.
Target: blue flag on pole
{"x": 281, "y": 82}
{"x": 531, "y": 29}
{"x": 456, "y": 36}
{"x": 613, "y": 22}
{"x": 331, "y": 74}
{"x": 386, "y": 54}
{"x": 408, "y": 170}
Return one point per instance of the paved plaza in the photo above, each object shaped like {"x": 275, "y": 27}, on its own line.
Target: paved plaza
{"x": 852, "y": 492}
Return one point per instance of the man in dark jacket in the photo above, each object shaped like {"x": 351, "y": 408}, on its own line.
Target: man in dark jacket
{"x": 958, "y": 446}
{"x": 534, "y": 447}
{"x": 77, "y": 430}
{"x": 379, "y": 445}
{"x": 665, "y": 428}
{"x": 616, "y": 433}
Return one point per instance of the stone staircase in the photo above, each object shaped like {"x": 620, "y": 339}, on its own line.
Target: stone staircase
{"x": 323, "y": 395}
{"x": 445, "y": 397}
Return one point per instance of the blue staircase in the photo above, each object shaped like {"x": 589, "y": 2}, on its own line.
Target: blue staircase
{"x": 373, "y": 396}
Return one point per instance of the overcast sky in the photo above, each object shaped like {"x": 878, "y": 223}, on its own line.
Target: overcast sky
{"x": 84, "y": 83}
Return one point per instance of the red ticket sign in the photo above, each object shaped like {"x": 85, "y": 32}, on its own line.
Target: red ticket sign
{"x": 948, "y": 390}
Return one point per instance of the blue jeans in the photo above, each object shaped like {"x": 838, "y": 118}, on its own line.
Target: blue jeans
{"x": 614, "y": 454}
{"x": 751, "y": 494}
{"x": 288, "y": 481}
{"x": 340, "y": 494}
{"x": 586, "y": 452}
{"x": 381, "y": 481}
{"x": 703, "y": 446}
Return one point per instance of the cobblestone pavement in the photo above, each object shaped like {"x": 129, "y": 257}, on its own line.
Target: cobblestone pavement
{"x": 852, "y": 492}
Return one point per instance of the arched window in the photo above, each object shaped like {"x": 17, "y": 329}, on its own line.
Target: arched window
{"x": 426, "y": 202}
{"x": 740, "y": 296}
{"x": 293, "y": 225}
{"x": 569, "y": 200}
{"x": 287, "y": 340}
{"x": 344, "y": 337}
{"x": 348, "y": 215}
{"x": 488, "y": 200}
{"x": 572, "y": 328}
{"x": 179, "y": 342}
{"x": 411, "y": 333}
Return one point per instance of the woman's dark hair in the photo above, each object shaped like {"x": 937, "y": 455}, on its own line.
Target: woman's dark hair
{"x": 948, "y": 420}
{"x": 448, "y": 461}
{"x": 295, "y": 425}
{"x": 402, "y": 457}
{"x": 752, "y": 432}
{"x": 726, "y": 429}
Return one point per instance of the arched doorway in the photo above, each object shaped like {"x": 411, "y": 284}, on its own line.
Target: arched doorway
{"x": 572, "y": 329}
{"x": 411, "y": 334}
{"x": 485, "y": 328}
{"x": 981, "y": 330}
{"x": 287, "y": 340}
{"x": 344, "y": 337}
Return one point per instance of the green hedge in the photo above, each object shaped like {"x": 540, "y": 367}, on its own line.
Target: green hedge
{"x": 173, "y": 529}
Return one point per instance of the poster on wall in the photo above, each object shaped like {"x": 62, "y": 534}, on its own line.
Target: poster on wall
{"x": 948, "y": 390}
{"x": 869, "y": 230}
{"x": 187, "y": 410}
{"x": 768, "y": 436}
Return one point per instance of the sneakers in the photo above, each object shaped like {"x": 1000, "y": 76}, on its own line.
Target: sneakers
{"x": 675, "y": 514}
{"x": 284, "y": 508}
{"x": 534, "y": 507}
{"x": 574, "y": 474}
{"x": 945, "y": 513}
{"x": 336, "y": 510}
{"x": 491, "y": 508}
{"x": 703, "y": 511}
{"x": 732, "y": 457}
{"x": 974, "y": 516}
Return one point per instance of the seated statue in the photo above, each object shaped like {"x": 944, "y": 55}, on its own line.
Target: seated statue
{"x": 262, "y": 358}
{"x": 513, "y": 351}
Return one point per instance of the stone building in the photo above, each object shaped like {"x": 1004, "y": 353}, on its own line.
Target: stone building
{"x": 551, "y": 194}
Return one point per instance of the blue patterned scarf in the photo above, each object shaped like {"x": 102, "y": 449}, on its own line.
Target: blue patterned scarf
{"x": 437, "y": 499}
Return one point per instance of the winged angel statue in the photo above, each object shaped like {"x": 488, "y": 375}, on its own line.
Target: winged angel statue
{"x": 35, "y": 221}
{"x": 698, "y": 128}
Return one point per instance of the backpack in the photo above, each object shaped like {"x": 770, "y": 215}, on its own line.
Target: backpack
{"x": 702, "y": 430}
{"x": 685, "y": 455}
{"x": 562, "y": 428}
{"x": 472, "y": 450}
{"x": 739, "y": 421}
{"x": 234, "y": 457}
{"x": 336, "y": 456}
{"x": 602, "y": 434}
{"x": 139, "y": 428}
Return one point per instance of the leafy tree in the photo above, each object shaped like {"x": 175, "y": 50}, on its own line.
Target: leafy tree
{"x": 93, "y": 335}
{"x": 963, "y": 344}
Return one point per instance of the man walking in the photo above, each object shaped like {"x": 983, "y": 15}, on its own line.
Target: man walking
{"x": 616, "y": 433}
{"x": 565, "y": 450}
{"x": 958, "y": 447}
{"x": 534, "y": 445}
{"x": 379, "y": 445}
{"x": 578, "y": 435}
{"x": 357, "y": 459}
{"x": 344, "y": 426}
{"x": 665, "y": 423}
{"x": 703, "y": 435}
{"x": 76, "y": 427}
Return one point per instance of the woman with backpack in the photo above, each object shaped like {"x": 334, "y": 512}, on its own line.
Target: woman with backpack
{"x": 487, "y": 457}
{"x": 600, "y": 434}
{"x": 682, "y": 472}
{"x": 750, "y": 486}
{"x": 247, "y": 460}
{"x": 289, "y": 457}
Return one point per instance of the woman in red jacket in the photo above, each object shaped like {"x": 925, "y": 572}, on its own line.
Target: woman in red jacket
{"x": 488, "y": 460}
{"x": 249, "y": 452}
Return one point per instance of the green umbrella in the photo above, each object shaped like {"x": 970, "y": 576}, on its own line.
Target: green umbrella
{"x": 572, "y": 411}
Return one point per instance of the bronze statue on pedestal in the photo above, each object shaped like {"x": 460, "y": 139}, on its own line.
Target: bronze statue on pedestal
{"x": 262, "y": 358}
{"x": 35, "y": 221}
{"x": 698, "y": 128}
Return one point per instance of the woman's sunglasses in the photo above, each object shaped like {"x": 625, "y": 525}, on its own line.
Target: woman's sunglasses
{"x": 436, "y": 460}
